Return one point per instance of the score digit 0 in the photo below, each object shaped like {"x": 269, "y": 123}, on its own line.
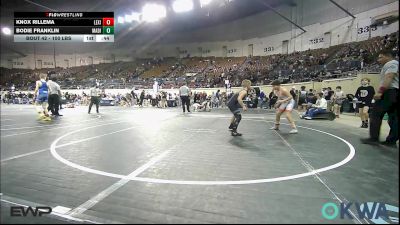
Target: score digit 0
{"x": 108, "y": 30}
{"x": 108, "y": 21}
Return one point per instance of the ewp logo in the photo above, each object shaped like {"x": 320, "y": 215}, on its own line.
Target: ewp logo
{"x": 20, "y": 211}
{"x": 377, "y": 213}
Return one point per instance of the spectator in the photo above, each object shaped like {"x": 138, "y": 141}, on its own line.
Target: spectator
{"x": 272, "y": 99}
{"x": 318, "y": 108}
{"x": 141, "y": 98}
{"x": 364, "y": 96}
{"x": 302, "y": 98}
{"x": 337, "y": 100}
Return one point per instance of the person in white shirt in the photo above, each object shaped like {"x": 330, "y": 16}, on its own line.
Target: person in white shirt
{"x": 205, "y": 106}
{"x": 319, "y": 107}
{"x": 94, "y": 98}
{"x": 54, "y": 97}
{"x": 184, "y": 92}
{"x": 338, "y": 98}
{"x": 386, "y": 101}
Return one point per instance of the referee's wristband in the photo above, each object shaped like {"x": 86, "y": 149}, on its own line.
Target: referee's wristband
{"x": 382, "y": 89}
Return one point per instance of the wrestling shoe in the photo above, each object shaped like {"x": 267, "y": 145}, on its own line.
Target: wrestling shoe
{"x": 236, "y": 134}
{"x": 40, "y": 116}
{"x": 370, "y": 141}
{"x": 389, "y": 144}
{"x": 293, "y": 131}
{"x": 46, "y": 118}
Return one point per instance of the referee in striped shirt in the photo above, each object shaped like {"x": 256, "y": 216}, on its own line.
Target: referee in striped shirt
{"x": 94, "y": 98}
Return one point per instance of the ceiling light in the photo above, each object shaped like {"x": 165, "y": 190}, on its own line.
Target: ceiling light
{"x": 153, "y": 12}
{"x": 121, "y": 19}
{"x": 204, "y": 3}
{"x": 6, "y": 30}
{"x": 182, "y": 5}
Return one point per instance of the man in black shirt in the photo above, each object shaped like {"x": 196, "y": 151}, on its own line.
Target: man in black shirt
{"x": 141, "y": 98}
{"x": 364, "y": 95}
{"x": 134, "y": 98}
{"x": 272, "y": 99}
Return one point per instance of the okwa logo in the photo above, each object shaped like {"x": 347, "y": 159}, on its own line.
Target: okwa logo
{"x": 377, "y": 213}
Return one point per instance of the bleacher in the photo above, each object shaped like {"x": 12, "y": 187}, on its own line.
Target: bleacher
{"x": 336, "y": 61}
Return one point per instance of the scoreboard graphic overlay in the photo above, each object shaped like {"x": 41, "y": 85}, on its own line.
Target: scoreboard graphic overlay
{"x": 63, "y": 26}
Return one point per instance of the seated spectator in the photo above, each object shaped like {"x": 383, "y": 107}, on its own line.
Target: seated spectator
{"x": 311, "y": 99}
{"x": 204, "y": 107}
{"x": 302, "y": 103}
{"x": 318, "y": 108}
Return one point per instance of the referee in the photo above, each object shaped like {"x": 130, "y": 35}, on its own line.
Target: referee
{"x": 184, "y": 92}
{"x": 94, "y": 98}
{"x": 54, "y": 97}
{"x": 386, "y": 101}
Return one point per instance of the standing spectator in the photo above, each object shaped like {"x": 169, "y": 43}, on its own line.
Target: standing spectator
{"x": 54, "y": 97}
{"x": 195, "y": 97}
{"x": 337, "y": 99}
{"x": 184, "y": 92}
{"x": 386, "y": 101}
{"x": 163, "y": 99}
{"x": 134, "y": 97}
{"x": 67, "y": 97}
{"x": 141, "y": 98}
{"x": 364, "y": 96}
{"x": 217, "y": 98}
{"x": 262, "y": 98}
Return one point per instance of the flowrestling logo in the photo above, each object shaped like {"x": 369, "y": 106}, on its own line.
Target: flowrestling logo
{"x": 377, "y": 213}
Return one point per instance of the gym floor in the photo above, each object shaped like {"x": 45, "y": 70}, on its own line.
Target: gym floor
{"x": 148, "y": 165}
